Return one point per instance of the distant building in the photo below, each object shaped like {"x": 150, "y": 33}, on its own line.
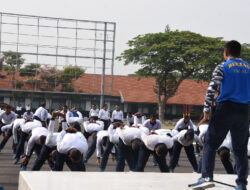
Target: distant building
{"x": 132, "y": 94}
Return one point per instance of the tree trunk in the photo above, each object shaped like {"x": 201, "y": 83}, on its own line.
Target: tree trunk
{"x": 161, "y": 100}
{"x": 161, "y": 111}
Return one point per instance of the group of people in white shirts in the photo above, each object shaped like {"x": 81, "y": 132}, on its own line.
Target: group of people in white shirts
{"x": 132, "y": 142}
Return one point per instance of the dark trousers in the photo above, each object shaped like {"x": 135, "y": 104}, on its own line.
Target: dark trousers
{"x": 59, "y": 127}
{"x": 37, "y": 149}
{"x": 6, "y": 138}
{"x": 125, "y": 153}
{"x": 130, "y": 123}
{"x": 197, "y": 146}
{"x": 20, "y": 146}
{"x": 19, "y": 114}
{"x": 1, "y": 125}
{"x": 176, "y": 155}
{"x": 226, "y": 160}
{"x": 105, "y": 156}
{"x": 227, "y": 116}
{"x": 14, "y": 146}
{"x": 106, "y": 124}
{"x": 144, "y": 154}
{"x": 43, "y": 156}
{"x": 61, "y": 158}
{"x": 92, "y": 146}
{"x": 226, "y": 163}
{"x": 199, "y": 166}
{"x": 117, "y": 120}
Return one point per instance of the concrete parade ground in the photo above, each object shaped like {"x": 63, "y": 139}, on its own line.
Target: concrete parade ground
{"x": 9, "y": 173}
{"x": 113, "y": 181}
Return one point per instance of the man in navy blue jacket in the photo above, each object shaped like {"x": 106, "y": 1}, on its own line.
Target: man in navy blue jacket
{"x": 231, "y": 114}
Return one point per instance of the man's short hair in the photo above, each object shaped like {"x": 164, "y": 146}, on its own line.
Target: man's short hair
{"x": 233, "y": 48}
{"x": 42, "y": 139}
{"x": 186, "y": 117}
{"x": 189, "y": 134}
{"x": 92, "y": 119}
{"x": 104, "y": 141}
{"x": 161, "y": 149}
{"x": 105, "y": 105}
{"x": 43, "y": 104}
{"x": 77, "y": 126}
{"x": 7, "y": 107}
{"x": 65, "y": 106}
{"x": 153, "y": 116}
{"x": 136, "y": 144}
{"x": 75, "y": 155}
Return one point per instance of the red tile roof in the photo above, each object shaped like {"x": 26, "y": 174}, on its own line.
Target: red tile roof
{"x": 133, "y": 90}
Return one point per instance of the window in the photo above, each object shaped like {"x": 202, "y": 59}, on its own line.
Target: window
{"x": 1, "y": 99}
{"x": 57, "y": 104}
{"x": 81, "y": 104}
{"x": 36, "y": 102}
{"x": 179, "y": 110}
{"x": 18, "y": 101}
{"x": 169, "y": 109}
{"x": 145, "y": 109}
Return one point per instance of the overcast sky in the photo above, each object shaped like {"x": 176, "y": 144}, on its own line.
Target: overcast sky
{"x": 229, "y": 19}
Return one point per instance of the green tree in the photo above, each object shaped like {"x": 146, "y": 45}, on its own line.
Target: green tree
{"x": 49, "y": 76}
{"x": 13, "y": 59}
{"x": 31, "y": 69}
{"x": 171, "y": 57}
{"x": 245, "y": 52}
{"x": 68, "y": 74}
{"x": 12, "y": 64}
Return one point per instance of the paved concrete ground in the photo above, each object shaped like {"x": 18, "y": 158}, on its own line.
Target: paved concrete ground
{"x": 112, "y": 181}
{"x": 9, "y": 172}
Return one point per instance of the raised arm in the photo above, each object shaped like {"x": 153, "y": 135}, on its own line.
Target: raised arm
{"x": 111, "y": 130}
{"x": 98, "y": 147}
{"x": 217, "y": 77}
{"x": 192, "y": 126}
{"x": 14, "y": 131}
{"x": 198, "y": 140}
{"x": 60, "y": 137}
{"x": 30, "y": 146}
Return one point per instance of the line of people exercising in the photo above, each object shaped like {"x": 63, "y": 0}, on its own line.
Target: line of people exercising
{"x": 132, "y": 143}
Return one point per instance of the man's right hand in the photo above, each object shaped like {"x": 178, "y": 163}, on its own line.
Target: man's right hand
{"x": 98, "y": 161}
{"x": 206, "y": 117}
